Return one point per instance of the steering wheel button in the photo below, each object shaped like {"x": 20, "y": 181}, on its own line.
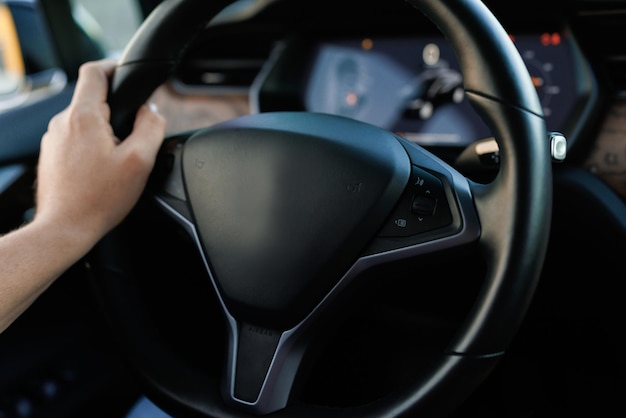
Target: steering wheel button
{"x": 423, "y": 205}
{"x": 422, "y": 208}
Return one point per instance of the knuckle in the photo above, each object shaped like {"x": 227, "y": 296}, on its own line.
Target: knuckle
{"x": 83, "y": 117}
{"x": 86, "y": 67}
{"x": 78, "y": 116}
{"x": 55, "y": 120}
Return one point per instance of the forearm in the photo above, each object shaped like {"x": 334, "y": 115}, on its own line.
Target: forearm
{"x": 87, "y": 182}
{"x": 32, "y": 257}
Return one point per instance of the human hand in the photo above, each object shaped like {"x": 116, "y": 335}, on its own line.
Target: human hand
{"x": 88, "y": 180}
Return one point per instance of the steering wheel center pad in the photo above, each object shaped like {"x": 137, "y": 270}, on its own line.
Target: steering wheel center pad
{"x": 285, "y": 203}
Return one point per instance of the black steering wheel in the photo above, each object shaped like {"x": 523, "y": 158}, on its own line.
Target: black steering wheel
{"x": 332, "y": 199}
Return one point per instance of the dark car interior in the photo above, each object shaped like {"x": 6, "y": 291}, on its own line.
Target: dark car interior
{"x": 140, "y": 316}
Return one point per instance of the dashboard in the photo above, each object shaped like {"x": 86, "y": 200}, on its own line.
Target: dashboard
{"x": 573, "y": 52}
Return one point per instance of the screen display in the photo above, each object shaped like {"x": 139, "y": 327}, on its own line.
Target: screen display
{"x": 413, "y": 86}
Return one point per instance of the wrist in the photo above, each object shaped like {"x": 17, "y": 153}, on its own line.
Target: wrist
{"x": 75, "y": 238}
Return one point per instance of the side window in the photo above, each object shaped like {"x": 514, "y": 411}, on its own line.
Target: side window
{"x": 28, "y": 66}
{"x": 112, "y": 22}
{"x": 12, "y": 70}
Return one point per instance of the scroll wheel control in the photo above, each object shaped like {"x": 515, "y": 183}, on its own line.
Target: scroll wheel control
{"x": 423, "y": 205}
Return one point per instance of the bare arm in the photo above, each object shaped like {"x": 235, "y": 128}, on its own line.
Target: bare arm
{"x": 88, "y": 181}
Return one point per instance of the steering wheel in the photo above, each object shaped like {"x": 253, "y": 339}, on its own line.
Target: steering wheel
{"x": 332, "y": 199}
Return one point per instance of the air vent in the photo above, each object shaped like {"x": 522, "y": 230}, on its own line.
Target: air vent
{"x": 231, "y": 74}
{"x": 226, "y": 60}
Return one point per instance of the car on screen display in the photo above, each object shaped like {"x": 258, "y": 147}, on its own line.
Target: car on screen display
{"x": 360, "y": 209}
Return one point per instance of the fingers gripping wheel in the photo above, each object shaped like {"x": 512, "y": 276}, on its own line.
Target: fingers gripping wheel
{"x": 340, "y": 204}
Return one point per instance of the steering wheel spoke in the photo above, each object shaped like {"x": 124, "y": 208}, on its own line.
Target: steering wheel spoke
{"x": 436, "y": 211}
{"x": 166, "y": 184}
{"x": 262, "y": 366}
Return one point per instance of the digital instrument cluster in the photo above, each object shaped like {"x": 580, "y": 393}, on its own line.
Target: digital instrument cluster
{"x": 413, "y": 86}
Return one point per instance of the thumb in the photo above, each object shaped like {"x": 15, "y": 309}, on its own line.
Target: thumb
{"x": 148, "y": 133}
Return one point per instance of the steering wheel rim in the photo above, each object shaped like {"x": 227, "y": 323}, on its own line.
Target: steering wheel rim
{"x": 514, "y": 209}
